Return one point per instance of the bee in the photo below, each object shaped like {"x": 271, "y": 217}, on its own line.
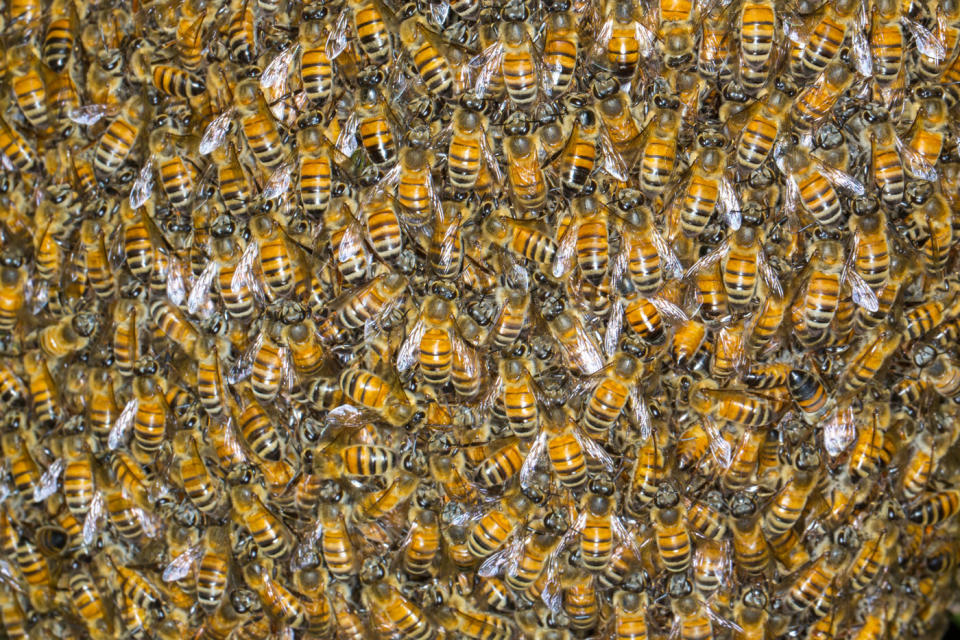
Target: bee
{"x": 924, "y": 140}
{"x": 560, "y": 50}
{"x": 258, "y": 126}
{"x": 703, "y": 191}
{"x": 278, "y": 601}
{"x": 875, "y": 552}
{"x": 402, "y": 614}
{"x": 28, "y": 86}
{"x": 521, "y": 239}
{"x": 650, "y": 261}
{"x": 658, "y": 157}
{"x": 588, "y": 239}
{"x": 213, "y": 569}
{"x": 757, "y": 35}
{"x": 630, "y": 615}
{"x": 816, "y": 101}
{"x": 269, "y": 533}
{"x": 45, "y": 400}
{"x": 428, "y": 60}
{"x": 624, "y": 40}
{"x": 611, "y": 395}
{"x": 200, "y": 485}
{"x": 528, "y": 186}
{"x": 672, "y": 535}
{"x": 578, "y": 348}
{"x": 493, "y": 529}
{"x": 621, "y": 125}
{"x": 373, "y": 392}
{"x": 118, "y": 138}
{"x": 423, "y": 545}
{"x": 825, "y": 38}
{"x": 816, "y": 586}
{"x": 373, "y": 126}
{"x": 88, "y": 603}
{"x": 864, "y": 363}
{"x": 750, "y": 550}
{"x": 369, "y": 22}
{"x": 761, "y": 132}
{"x": 788, "y": 505}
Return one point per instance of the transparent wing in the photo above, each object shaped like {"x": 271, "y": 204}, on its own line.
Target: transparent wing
{"x": 118, "y": 432}
{"x": 915, "y": 162}
{"x": 530, "y": 463}
{"x": 216, "y": 133}
{"x": 90, "y": 114}
{"x": 489, "y": 63}
{"x": 244, "y": 365}
{"x": 613, "y": 162}
{"x": 244, "y": 269}
{"x": 593, "y": 449}
{"x": 839, "y": 431}
{"x": 180, "y": 567}
{"x": 707, "y": 261}
{"x": 347, "y": 140}
{"x": 927, "y": 43}
{"x": 176, "y": 287}
{"x": 669, "y": 262}
{"x": 143, "y": 186}
{"x": 409, "y": 351}
{"x": 768, "y": 274}
{"x": 669, "y": 310}
{"x": 275, "y": 75}
{"x": 838, "y": 178}
{"x": 91, "y": 523}
{"x": 640, "y": 413}
{"x": 729, "y": 205}
{"x": 199, "y": 293}
{"x": 279, "y": 182}
{"x": 614, "y": 328}
{"x": 719, "y": 446}
{"x": 466, "y": 356}
{"x": 566, "y": 250}
{"x": 503, "y": 561}
{"x": 862, "y": 294}
{"x": 337, "y": 38}
{"x": 48, "y": 481}
{"x": 490, "y": 160}
{"x": 862, "y": 59}
{"x": 621, "y": 533}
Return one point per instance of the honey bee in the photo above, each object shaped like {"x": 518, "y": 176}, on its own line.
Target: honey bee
{"x": 818, "y": 99}
{"x": 28, "y": 86}
{"x": 757, "y": 37}
{"x": 761, "y": 131}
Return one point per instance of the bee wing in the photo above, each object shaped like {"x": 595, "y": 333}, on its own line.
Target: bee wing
{"x": 600, "y": 41}
{"x": 337, "y": 38}
{"x": 48, "y": 481}
{"x": 200, "y": 291}
{"x": 279, "y": 181}
{"x": 640, "y": 414}
{"x": 243, "y": 273}
{"x": 707, "y": 261}
{"x": 274, "y": 77}
{"x": 791, "y": 201}
{"x": 347, "y": 140}
{"x": 505, "y": 560}
{"x": 450, "y": 239}
{"x": 466, "y": 355}
{"x": 839, "y": 430}
{"x": 176, "y": 286}
{"x": 917, "y": 164}
{"x": 90, "y": 114}
{"x": 180, "y": 566}
{"x": 927, "y": 43}
{"x": 91, "y": 522}
{"x": 838, "y": 178}
{"x": 529, "y": 465}
{"x": 611, "y": 334}
{"x": 566, "y": 249}
{"x": 728, "y": 205}
{"x": 216, "y": 132}
{"x": 244, "y": 365}
{"x": 613, "y": 162}
{"x": 668, "y": 310}
{"x": 594, "y": 450}
{"x": 719, "y": 446}
{"x": 490, "y": 160}
{"x": 118, "y": 432}
{"x": 143, "y": 186}
{"x": 863, "y": 295}
{"x": 670, "y": 263}
{"x": 552, "y": 594}
{"x": 860, "y": 51}
{"x": 489, "y": 63}
{"x": 409, "y": 351}
{"x": 768, "y": 274}
{"x": 620, "y": 532}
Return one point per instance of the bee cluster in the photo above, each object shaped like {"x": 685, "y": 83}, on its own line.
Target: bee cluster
{"x": 467, "y": 318}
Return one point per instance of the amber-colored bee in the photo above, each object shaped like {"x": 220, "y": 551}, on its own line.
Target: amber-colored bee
{"x": 492, "y": 530}
{"x": 375, "y": 393}
{"x": 401, "y": 613}
{"x": 119, "y": 137}
{"x": 757, "y": 36}
{"x": 269, "y": 533}
{"x": 374, "y": 128}
{"x": 788, "y": 505}
{"x": 673, "y": 538}
{"x": 28, "y": 87}
{"x": 815, "y": 102}
{"x": 864, "y": 363}
{"x": 521, "y": 239}
{"x": 750, "y": 550}
{"x": 200, "y": 485}
{"x": 826, "y": 38}
{"x": 924, "y": 140}
{"x": 762, "y": 130}
{"x": 659, "y": 155}
{"x": 816, "y": 586}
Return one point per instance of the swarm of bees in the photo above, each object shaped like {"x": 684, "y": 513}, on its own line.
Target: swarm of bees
{"x": 481, "y": 319}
